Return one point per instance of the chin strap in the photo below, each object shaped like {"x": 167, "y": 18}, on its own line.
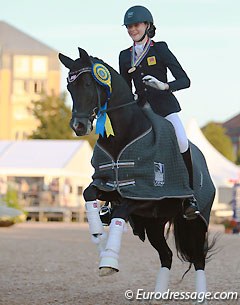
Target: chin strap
{"x": 150, "y": 32}
{"x": 144, "y": 35}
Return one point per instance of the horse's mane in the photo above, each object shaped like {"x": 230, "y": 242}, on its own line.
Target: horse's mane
{"x": 98, "y": 60}
{"x": 116, "y": 78}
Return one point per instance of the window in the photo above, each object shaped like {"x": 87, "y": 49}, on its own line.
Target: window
{"x": 39, "y": 67}
{"x": 20, "y": 87}
{"x": 21, "y": 66}
{"x": 20, "y": 113}
{"x": 38, "y": 87}
{"x": 79, "y": 190}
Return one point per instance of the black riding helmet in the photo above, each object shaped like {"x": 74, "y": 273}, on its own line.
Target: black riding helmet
{"x": 138, "y": 14}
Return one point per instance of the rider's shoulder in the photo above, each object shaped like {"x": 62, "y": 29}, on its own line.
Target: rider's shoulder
{"x": 124, "y": 54}
{"x": 161, "y": 44}
{"x": 125, "y": 51}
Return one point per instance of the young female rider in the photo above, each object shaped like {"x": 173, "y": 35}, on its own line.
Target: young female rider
{"x": 146, "y": 63}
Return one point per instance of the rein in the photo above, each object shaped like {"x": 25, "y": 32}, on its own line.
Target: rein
{"x": 119, "y": 106}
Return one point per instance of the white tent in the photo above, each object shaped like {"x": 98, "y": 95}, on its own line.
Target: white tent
{"x": 49, "y": 159}
{"x": 45, "y": 157}
{"x": 221, "y": 169}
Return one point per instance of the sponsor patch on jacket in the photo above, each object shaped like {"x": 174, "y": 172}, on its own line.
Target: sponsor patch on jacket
{"x": 151, "y": 60}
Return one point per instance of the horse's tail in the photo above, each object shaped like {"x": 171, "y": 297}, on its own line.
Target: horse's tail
{"x": 192, "y": 240}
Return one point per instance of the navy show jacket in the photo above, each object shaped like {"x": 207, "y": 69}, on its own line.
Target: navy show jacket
{"x": 160, "y": 58}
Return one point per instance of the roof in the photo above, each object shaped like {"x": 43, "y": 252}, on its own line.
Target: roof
{"x": 4, "y": 145}
{"x": 51, "y": 154}
{"x": 221, "y": 169}
{"x": 233, "y": 123}
{"x": 13, "y": 40}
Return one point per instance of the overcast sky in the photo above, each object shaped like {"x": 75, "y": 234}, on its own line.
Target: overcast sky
{"x": 203, "y": 34}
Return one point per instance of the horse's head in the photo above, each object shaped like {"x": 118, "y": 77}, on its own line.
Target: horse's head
{"x": 85, "y": 94}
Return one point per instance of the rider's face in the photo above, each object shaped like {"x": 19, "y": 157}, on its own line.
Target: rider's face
{"x": 136, "y": 30}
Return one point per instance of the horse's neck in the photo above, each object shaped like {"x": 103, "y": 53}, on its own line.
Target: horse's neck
{"x": 128, "y": 123}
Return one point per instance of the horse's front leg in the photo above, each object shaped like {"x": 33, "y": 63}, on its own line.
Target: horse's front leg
{"x": 95, "y": 225}
{"x": 109, "y": 248}
{"x": 109, "y": 257}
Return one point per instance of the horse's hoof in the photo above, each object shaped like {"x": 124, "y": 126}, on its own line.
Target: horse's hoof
{"x": 105, "y": 271}
{"x": 109, "y": 262}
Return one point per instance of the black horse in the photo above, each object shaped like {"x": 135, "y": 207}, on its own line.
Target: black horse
{"x": 144, "y": 188}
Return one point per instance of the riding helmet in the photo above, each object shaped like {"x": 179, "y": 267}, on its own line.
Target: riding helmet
{"x": 137, "y": 14}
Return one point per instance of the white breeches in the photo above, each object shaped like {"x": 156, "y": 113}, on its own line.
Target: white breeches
{"x": 179, "y": 130}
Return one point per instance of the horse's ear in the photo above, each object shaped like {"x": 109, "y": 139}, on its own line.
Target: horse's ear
{"x": 67, "y": 61}
{"x": 84, "y": 55}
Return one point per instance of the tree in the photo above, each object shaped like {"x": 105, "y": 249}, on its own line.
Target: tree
{"x": 53, "y": 115}
{"x": 238, "y": 157}
{"x": 216, "y": 135}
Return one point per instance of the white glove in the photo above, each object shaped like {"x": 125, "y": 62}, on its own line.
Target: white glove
{"x": 135, "y": 96}
{"x": 154, "y": 82}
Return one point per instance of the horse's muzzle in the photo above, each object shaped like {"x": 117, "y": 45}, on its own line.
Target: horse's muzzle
{"x": 81, "y": 126}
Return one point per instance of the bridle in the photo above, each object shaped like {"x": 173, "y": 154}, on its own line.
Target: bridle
{"x": 72, "y": 76}
{"x": 97, "y": 111}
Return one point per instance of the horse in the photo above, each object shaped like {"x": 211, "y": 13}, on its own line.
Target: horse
{"x": 140, "y": 185}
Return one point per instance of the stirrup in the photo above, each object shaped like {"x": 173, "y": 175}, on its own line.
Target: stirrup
{"x": 190, "y": 208}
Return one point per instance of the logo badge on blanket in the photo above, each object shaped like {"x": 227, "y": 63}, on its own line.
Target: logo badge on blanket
{"x": 159, "y": 173}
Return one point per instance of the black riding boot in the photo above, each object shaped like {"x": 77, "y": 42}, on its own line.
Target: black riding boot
{"x": 190, "y": 207}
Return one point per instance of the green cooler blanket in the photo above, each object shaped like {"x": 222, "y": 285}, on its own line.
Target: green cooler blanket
{"x": 151, "y": 167}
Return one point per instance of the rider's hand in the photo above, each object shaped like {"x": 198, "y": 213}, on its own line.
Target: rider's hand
{"x": 135, "y": 96}
{"x": 154, "y": 82}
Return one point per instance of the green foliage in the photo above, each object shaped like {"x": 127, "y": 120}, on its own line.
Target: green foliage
{"x": 216, "y": 135}
{"x": 54, "y": 116}
{"x": 11, "y": 198}
{"x": 238, "y": 158}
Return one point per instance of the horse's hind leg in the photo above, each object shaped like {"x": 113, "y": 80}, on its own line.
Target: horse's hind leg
{"x": 191, "y": 239}
{"x": 199, "y": 240}
{"x": 155, "y": 234}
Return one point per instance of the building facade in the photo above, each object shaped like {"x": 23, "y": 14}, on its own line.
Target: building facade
{"x": 27, "y": 68}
